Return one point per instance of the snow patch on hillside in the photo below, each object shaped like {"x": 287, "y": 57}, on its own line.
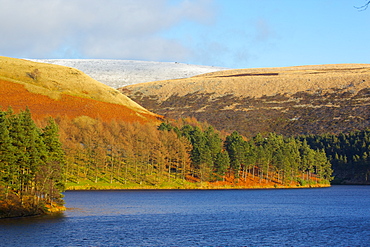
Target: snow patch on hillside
{"x": 120, "y": 73}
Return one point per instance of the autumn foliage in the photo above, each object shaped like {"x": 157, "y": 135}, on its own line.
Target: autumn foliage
{"x": 183, "y": 154}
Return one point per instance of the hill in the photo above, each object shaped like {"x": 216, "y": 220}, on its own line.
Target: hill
{"x": 290, "y": 101}
{"x": 119, "y": 73}
{"x": 52, "y": 90}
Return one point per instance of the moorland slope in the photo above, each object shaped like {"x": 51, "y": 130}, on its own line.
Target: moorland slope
{"x": 53, "y": 90}
{"x": 290, "y": 101}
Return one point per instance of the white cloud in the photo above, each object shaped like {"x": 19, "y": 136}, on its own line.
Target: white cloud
{"x": 127, "y": 29}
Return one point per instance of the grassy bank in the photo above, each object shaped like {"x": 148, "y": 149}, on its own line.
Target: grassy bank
{"x": 184, "y": 184}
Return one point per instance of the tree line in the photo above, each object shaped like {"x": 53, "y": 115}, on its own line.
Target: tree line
{"x": 184, "y": 150}
{"x": 31, "y": 165}
{"x": 349, "y": 154}
{"x": 271, "y": 157}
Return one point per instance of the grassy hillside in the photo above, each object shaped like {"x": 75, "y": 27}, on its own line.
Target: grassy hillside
{"x": 256, "y": 83}
{"x": 291, "y": 100}
{"x": 56, "y": 90}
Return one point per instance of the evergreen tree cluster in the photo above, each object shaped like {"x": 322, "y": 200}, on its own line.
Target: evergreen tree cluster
{"x": 31, "y": 165}
{"x": 349, "y": 154}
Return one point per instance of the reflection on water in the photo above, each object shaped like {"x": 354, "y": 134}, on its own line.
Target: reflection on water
{"x": 44, "y": 219}
{"x": 337, "y": 216}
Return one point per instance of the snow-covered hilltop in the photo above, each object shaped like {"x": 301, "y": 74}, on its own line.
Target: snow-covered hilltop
{"x": 119, "y": 73}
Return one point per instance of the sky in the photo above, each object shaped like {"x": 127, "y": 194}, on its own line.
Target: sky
{"x": 223, "y": 33}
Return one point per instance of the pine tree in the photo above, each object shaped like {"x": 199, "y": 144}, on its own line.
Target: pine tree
{"x": 24, "y": 160}
{"x": 222, "y": 163}
{"x": 201, "y": 154}
{"x": 307, "y": 159}
{"x": 214, "y": 142}
{"x": 236, "y": 148}
{"x": 50, "y": 178}
{"x": 29, "y": 150}
{"x": 250, "y": 158}
{"x": 7, "y": 165}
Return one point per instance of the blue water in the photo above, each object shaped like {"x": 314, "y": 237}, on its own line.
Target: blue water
{"x": 336, "y": 216}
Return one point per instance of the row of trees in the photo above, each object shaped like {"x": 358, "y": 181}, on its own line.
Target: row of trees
{"x": 127, "y": 153}
{"x": 349, "y": 154}
{"x": 131, "y": 153}
{"x": 271, "y": 157}
{"x": 31, "y": 162}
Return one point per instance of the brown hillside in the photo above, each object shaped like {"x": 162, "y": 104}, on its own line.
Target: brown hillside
{"x": 52, "y": 90}
{"x": 41, "y": 106}
{"x": 292, "y": 100}
{"x": 256, "y": 83}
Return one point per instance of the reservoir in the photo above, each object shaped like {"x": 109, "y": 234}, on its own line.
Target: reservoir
{"x": 335, "y": 216}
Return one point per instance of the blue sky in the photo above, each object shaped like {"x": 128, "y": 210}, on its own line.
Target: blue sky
{"x": 227, "y": 33}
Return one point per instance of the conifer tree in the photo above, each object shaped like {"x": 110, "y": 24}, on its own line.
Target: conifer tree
{"x": 214, "y": 142}
{"x": 222, "y": 163}
{"x": 29, "y": 150}
{"x": 51, "y": 175}
{"x": 307, "y": 159}
{"x": 201, "y": 154}
{"x": 25, "y": 160}
{"x": 236, "y": 148}
{"x": 7, "y": 166}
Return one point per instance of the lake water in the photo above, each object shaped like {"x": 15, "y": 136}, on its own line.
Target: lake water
{"x": 336, "y": 216}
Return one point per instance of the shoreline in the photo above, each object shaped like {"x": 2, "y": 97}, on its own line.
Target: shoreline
{"x": 23, "y": 212}
{"x": 54, "y": 209}
{"x": 202, "y": 187}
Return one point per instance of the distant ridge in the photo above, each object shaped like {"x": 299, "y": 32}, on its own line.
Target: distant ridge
{"x": 119, "y": 73}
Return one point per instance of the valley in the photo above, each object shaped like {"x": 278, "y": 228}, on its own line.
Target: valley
{"x": 247, "y": 128}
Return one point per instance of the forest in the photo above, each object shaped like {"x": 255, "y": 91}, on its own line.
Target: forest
{"x": 182, "y": 154}
{"x": 349, "y": 154}
{"x": 39, "y": 159}
{"x": 31, "y": 165}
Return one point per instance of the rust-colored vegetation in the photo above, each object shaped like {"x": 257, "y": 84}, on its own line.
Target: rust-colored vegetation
{"x": 57, "y": 90}
{"x": 252, "y": 181}
{"x": 16, "y": 96}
